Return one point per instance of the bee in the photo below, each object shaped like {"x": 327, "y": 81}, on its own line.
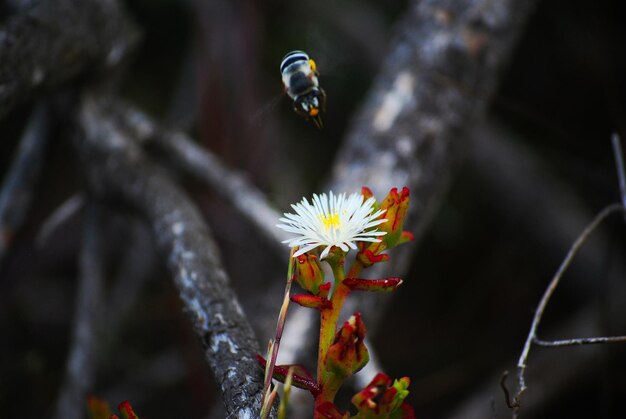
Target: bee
{"x": 300, "y": 78}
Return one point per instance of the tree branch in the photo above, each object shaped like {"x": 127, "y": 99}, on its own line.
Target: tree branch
{"x": 438, "y": 77}
{"x": 580, "y": 366}
{"x": 22, "y": 176}
{"x": 619, "y": 165}
{"x": 579, "y": 341}
{"x": 204, "y": 166}
{"x": 523, "y": 187}
{"x": 436, "y": 81}
{"x": 81, "y": 363}
{"x": 116, "y": 169}
{"x": 532, "y": 334}
{"x": 56, "y": 40}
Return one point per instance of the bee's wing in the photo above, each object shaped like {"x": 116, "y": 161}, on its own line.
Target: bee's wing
{"x": 257, "y": 117}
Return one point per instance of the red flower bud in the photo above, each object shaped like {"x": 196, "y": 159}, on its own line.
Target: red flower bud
{"x": 383, "y": 399}
{"x": 396, "y": 206}
{"x": 310, "y": 275}
{"x": 127, "y": 410}
{"x": 348, "y": 354}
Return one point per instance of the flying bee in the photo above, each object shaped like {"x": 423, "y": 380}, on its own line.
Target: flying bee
{"x": 300, "y": 77}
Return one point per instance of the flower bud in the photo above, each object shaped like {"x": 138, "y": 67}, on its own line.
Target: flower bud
{"x": 394, "y": 210}
{"x": 348, "y": 354}
{"x": 396, "y": 206}
{"x": 127, "y": 410}
{"x": 310, "y": 274}
{"x": 382, "y": 399}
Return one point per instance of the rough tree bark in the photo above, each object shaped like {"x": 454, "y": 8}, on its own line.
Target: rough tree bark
{"x": 54, "y": 41}
{"x": 116, "y": 169}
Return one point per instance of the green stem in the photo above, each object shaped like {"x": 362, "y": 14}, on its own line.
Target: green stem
{"x": 329, "y": 385}
{"x": 328, "y": 324}
{"x": 355, "y": 269}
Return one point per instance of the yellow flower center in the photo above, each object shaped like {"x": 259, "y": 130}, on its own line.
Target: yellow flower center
{"x": 330, "y": 220}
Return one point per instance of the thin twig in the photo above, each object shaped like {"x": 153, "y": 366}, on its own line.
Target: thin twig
{"x": 532, "y": 334}
{"x": 579, "y": 341}
{"x": 64, "y": 212}
{"x": 21, "y": 178}
{"x": 274, "y": 346}
{"x": 81, "y": 363}
{"x": 580, "y": 367}
{"x": 619, "y": 164}
{"x": 505, "y": 389}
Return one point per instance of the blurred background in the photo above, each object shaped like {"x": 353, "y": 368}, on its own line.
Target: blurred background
{"x": 532, "y": 174}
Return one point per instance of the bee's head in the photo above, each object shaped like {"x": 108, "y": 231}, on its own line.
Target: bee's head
{"x": 310, "y": 106}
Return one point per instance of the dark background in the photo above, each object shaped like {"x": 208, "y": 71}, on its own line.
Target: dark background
{"x": 464, "y": 311}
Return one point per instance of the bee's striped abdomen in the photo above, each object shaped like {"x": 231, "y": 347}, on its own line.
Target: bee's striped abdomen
{"x": 293, "y": 57}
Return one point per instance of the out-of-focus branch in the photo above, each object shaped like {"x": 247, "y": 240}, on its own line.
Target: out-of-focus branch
{"x": 61, "y": 214}
{"x": 232, "y": 186}
{"x": 437, "y": 79}
{"x": 116, "y": 169}
{"x": 56, "y": 40}
{"x": 81, "y": 363}
{"x": 163, "y": 370}
{"x": 619, "y": 164}
{"x": 21, "y": 178}
{"x": 136, "y": 268}
{"x": 522, "y": 187}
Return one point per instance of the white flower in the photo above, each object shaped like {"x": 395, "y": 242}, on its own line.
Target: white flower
{"x": 332, "y": 220}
